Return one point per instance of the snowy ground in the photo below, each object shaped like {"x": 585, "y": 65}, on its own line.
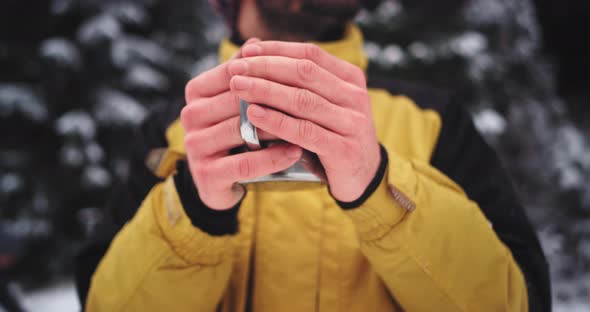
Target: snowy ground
{"x": 59, "y": 298}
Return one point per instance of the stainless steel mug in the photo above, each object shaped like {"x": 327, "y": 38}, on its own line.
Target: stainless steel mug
{"x": 307, "y": 169}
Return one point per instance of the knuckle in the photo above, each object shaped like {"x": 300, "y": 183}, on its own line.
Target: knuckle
{"x": 306, "y": 131}
{"x": 306, "y": 69}
{"x": 190, "y": 90}
{"x": 185, "y": 117}
{"x": 360, "y": 97}
{"x": 243, "y": 167}
{"x": 202, "y": 174}
{"x": 281, "y": 122}
{"x": 192, "y": 115}
{"x": 190, "y": 141}
{"x": 193, "y": 143}
{"x": 359, "y": 119}
{"x": 359, "y": 94}
{"x": 226, "y": 67}
{"x": 359, "y": 76}
{"x": 275, "y": 159}
{"x": 304, "y": 100}
{"x": 355, "y": 121}
{"x": 231, "y": 129}
{"x": 263, "y": 66}
{"x": 312, "y": 51}
{"x": 263, "y": 88}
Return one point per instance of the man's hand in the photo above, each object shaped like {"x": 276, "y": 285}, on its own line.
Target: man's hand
{"x": 313, "y": 100}
{"x": 211, "y": 123}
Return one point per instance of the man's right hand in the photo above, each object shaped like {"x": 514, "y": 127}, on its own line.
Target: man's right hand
{"x": 211, "y": 123}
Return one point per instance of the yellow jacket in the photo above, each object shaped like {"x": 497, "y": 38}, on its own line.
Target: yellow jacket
{"x": 417, "y": 244}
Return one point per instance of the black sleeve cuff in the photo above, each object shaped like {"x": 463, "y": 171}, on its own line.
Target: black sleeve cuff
{"x": 372, "y": 186}
{"x": 213, "y": 222}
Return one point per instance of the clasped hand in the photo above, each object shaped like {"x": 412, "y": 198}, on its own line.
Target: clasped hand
{"x": 304, "y": 96}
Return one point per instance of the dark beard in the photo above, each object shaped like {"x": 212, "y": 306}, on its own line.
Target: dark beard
{"x": 317, "y": 20}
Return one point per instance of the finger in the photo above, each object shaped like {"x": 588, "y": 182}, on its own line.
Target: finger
{"x": 207, "y": 84}
{"x": 256, "y": 164}
{"x": 344, "y": 70}
{"x": 298, "y": 102}
{"x": 299, "y": 73}
{"x": 219, "y": 138}
{"x": 205, "y": 112}
{"x": 211, "y": 82}
{"x": 239, "y": 54}
{"x": 293, "y": 130}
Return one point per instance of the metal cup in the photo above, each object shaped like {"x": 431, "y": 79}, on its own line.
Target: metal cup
{"x": 306, "y": 169}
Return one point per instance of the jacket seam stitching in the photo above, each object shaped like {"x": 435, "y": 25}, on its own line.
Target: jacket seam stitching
{"x": 133, "y": 293}
{"x": 432, "y": 277}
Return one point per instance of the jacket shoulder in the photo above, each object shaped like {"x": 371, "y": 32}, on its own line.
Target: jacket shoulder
{"x": 403, "y": 124}
{"x": 463, "y": 155}
{"x": 423, "y": 95}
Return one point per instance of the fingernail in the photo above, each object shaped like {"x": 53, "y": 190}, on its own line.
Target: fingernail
{"x": 293, "y": 152}
{"x": 242, "y": 83}
{"x": 238, "y": 68}
{"x": 257, "y": 111}
{"x": 251, "y": 50}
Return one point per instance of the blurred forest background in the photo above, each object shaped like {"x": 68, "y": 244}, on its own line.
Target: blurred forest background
{"x": 77, "y": 76}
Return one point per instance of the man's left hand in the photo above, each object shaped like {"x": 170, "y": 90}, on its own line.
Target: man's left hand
{"x": 314, "y": 100}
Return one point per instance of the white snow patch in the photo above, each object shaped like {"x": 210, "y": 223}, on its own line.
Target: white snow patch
{"x": 71, "y": 155}
{"x": 571, "y": 146}
{"x": 551, "y": 242}
{"x": 143, "y": 77}
{"x": 372, "y": 50}
{"x": 489, "y": 122}
{"x": 421, "y": 51}
{"x": 62, "y": 52}
{"x": 469, "y": 44}
{"x": 99, "y": 28}
{"x": 27, "y": 227}
{"x": 58, "y": 298}
{"x": 129, "y": 13}
{"x": 76, "y": 123}
{"x": 364, "y": 17}
{"x": 11, "y": 183}
{"x": 570, "y": 178}
{"x": 94, "y": 153}
{"x": 215, "y": 32}
{"x": 59, "y": 7}
{"x": 576, "y": 306}
{"x": 90, "y": 218}
{"x": 392, "y": 55}
{"x": 205, "y": 63}
{"x": 18, "y": 99}
{"x": 485, "y": 12}
{"x": 96, "y": 177}
{"x": 114, "y": 107}
{"x": 570, "y": 152}
{"x": 481, "y": 64}
{"x": 129, "y": 49}
{"x": 388, "y": 10}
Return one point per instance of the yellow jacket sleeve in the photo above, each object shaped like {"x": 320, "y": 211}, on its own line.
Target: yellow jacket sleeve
{"x": 433, "y": 247}
{"x": 160, "y": 262}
